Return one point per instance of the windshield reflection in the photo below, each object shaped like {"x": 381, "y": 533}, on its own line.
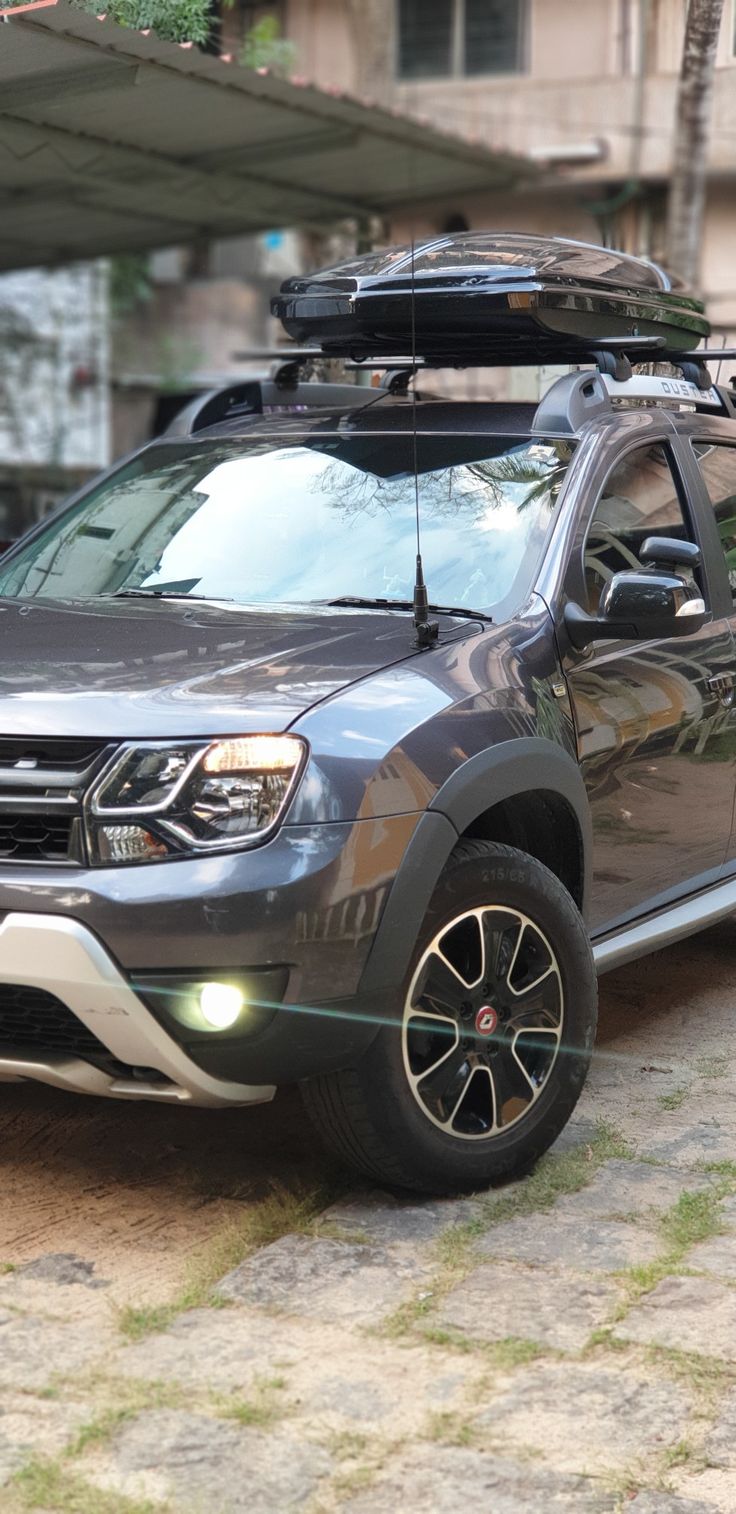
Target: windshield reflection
{"x": 258, "y": 523}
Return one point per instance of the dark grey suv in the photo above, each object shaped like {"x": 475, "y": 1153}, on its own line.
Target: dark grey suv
{"x": 265, "y": 818}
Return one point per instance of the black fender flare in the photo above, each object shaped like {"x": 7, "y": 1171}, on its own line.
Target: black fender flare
{"x": 518, "y": 766}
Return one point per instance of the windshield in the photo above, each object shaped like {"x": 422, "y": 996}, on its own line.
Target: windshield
{"x": 262, "y": 522}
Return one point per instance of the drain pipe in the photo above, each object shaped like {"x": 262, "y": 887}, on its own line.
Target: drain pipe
{"x": 603, "y": 210}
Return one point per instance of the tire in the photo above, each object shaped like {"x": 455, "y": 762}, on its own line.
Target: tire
{"x": 407, "y": 1114}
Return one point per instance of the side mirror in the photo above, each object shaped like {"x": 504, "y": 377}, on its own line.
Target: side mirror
{"x": 646, "y": 604}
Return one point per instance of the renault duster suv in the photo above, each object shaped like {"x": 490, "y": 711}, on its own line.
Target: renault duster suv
{"x": 273, "y": 812}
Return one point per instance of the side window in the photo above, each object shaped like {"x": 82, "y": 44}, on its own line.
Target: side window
{"x": 640, "y": 498}
{"x": 718, "y": 468}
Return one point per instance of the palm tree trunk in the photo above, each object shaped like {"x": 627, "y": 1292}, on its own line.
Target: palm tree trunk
{"x": 686, "y": 205}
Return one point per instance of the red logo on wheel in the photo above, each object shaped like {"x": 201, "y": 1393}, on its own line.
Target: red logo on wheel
{"x": 486, "y": 1021}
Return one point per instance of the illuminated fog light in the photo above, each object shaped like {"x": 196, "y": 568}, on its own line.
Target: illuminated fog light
{"x": 221, "y": 1004}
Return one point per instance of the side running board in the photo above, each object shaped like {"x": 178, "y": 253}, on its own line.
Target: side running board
{"x": 671, "y": 924}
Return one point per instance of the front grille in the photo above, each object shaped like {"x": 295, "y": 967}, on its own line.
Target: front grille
{"x": 32, "y": 1020}
{"x": 43, "y": 781}
{"x": 63, "y": 753}
{"x": 35, "y": 837}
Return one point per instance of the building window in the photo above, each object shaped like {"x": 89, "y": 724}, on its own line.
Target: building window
{"x": 460, "y": 38}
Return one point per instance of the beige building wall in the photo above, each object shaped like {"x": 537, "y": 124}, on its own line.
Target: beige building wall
{"x": 595, "y": 72}
{"x": 321, "y": 32}
{"x": 599, "y": 76}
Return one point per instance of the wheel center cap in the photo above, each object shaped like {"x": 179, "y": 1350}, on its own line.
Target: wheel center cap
{"x": 486, "y": 1020}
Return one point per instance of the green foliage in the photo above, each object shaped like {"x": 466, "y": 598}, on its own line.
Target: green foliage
{"x": 130, "y": 282}
{"x": 190, "y": 21}
{"x": 264, "y": 47}
{"x": 172, "y": 20}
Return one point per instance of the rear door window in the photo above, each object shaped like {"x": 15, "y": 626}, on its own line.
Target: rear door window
{"x": 717, "y": 463}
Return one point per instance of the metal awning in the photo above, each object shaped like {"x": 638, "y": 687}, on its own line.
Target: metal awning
{"x": 112, "y": 141}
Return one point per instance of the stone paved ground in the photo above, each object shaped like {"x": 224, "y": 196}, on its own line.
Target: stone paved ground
{"x": 199, "y": 1314}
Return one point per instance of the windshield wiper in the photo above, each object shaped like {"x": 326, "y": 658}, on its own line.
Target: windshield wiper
{"x": 353, "y": 602}
{"x": 162, "y": 594}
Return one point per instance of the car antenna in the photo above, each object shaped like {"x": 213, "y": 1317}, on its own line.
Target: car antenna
{"x": 427, "y": 630}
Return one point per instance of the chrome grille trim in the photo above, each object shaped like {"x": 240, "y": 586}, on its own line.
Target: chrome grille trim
{"x": 47, "y": 778}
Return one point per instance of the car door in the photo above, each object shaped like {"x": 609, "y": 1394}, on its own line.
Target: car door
{"x": 655, "y": 720}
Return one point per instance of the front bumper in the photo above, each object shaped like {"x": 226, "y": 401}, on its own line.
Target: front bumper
{"x": 61, "y": 957}
{"x": 308, "y": 902}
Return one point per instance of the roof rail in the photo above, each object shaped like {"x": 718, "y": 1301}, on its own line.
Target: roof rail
{"x": 579, "y": 397}
{"x": 266, "y": 396}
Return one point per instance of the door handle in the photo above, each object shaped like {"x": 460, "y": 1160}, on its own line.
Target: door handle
{"x": 721, "y": 684}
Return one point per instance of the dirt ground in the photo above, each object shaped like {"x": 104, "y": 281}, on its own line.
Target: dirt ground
{"x": 117, "y": 1220}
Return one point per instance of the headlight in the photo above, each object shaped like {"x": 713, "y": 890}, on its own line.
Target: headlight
{"x": 166, "y": 799}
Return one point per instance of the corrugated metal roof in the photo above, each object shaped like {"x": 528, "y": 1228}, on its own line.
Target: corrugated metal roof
{"x": 113, "y": 141}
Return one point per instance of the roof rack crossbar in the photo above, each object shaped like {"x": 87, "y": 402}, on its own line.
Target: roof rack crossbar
{"x": 603, "y": 351}
{"x": 712, "y": 354}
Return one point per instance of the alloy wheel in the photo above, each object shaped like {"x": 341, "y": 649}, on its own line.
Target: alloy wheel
{"x": 483, "y": 1022}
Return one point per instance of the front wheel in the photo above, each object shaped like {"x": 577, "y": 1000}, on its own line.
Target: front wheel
{"x": 483, "y": 1056}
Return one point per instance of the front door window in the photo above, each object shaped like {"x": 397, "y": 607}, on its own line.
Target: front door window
{"x": 639, "y": 499}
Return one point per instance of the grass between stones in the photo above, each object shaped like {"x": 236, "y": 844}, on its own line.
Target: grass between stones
{"x": 282, "y": 1212}
{"x": 711, "y": 1067}
{"x": 604, "y": 1339}
{"x": 503, "y": 1356}
{"x": 724, "y": 1170}
{"x": 46, "y": 1484}
{"x": 707, "y": 1378}
{"x": 353, "y": 1481}
{"x": 695, "y": 1217}
{"x": 653, "y": 1474}
{"x": 554, "y": 1176}
{"x": 361, "y": 1459}
{"x": 345, "y": 1444}
{"x": 673, "y": 1100}
{"x": 450, "y": 1428}
{"x": 52, "y": 1484}
{"x": 127, "y": 1397}
{"x": 455, "y": 1250}
{"x": 682, "y": 1454}
{"x": 263, "y": 1409}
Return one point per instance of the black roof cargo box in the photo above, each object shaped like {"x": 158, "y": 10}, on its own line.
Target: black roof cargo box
{"x": 489, "y": 297}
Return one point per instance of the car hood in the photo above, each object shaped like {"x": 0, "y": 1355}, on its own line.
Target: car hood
{"x": 129, "y": 668}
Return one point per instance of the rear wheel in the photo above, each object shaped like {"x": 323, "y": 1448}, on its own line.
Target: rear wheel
{"x": 485, "y": 1051}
